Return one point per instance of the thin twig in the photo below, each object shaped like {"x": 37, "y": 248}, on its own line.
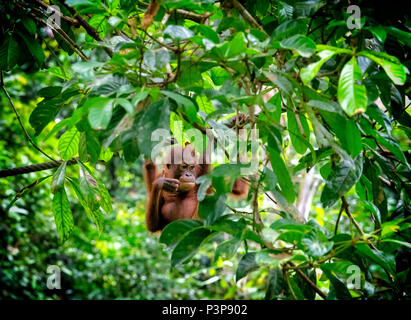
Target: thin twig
{"x": 338, "y": 218}
{"x": 308, "y": 280}
{"x": 355, "y": 223}
{"x": 248, "y": 17}
{"x": 18, "y": 118}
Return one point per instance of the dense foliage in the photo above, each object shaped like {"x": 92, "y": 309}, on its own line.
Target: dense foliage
{"x": 328, "y": 211}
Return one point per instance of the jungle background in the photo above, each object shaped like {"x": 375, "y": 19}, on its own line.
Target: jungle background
{"x": 328, "y": 92}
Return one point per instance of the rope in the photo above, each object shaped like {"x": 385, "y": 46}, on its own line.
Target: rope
{"x": 34, "y": 167}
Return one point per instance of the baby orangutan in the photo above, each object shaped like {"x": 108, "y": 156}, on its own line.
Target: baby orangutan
{"x": 172, "y": 194}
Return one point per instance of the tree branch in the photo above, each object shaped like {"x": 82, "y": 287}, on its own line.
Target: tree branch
{"x": 18, "y": 117}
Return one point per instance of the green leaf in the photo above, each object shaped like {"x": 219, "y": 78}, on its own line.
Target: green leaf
{"x": 352, "y": 94}
{"x": 45, "y": 112}
{"x": 187, "y": 247}
{"x": 100, "y": 114}
{"x": 125, "y": 104}
{"x": 342, "y": 178}
{"x": 377, "y": 257}
{"x": 299, "y": 142}
{"x": 289, "y": 28}
{"x": 68, "y": 143}
{"x": 178, "y": 33}
{"x": 58, "y": 177}
{"x": 89, "y": 189}
{"x": 219, "y": 75}
{"x": 50, "y": 92}
{"x": 188, "y": 105}
{"x": 9, "y": 53}
{"x": 281, "y": 82}
{"x": 302, "y": 44}
{"x": 175, "y": 230}
{"x": 139, "y": 97}
{"x": 212, "y": 207}
{"x": 276, "y": 283}
{"x": 105, "y": 198}
{"x": 339, "y": 290}
{"x": 156, "y": 59}
{"x": 247, "y": 264}
{"x": 316, "y": 244}
{"x": 392, "y": 145}
{"x": 402, "y": 36}
{"x": 89, "y": 147}
{"x": 30, "y": 25}
{"x": 156, "y": 116}
{"x": 62, "y": 214}
{"x": 309, "y": 72}
{"x": 236, "y": 46}
{"x": 96, "y": 216}
{"x": 209, "y": 33}
{"x": 34, "y": 48}
{"x": 283, "y": 176}
{"x": 228, "y": 248}
{"x": 395, "y": 70}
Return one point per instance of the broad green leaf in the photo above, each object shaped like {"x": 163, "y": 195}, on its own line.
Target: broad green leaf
{"x": 175, "y": 230}
{"x": 209, "y": 33}
{"x": 299, "y": 142}
{"x": 212, "y": 207}
{"x": 100, "y": 115}
{"x": 156, "y": 116}
{"x": 300, "y": 43}
{"x": 280, "y": 170}
{"x": 346, "y": 130}
{"x": 246, "y": 265}
{"x": 236, "y": 46}
{"x": 281, "y": 82}
{"x": 125, "y": 104}
{"x": 30, "y": 25}
{"x": 219, "y": 75}
{"x": 178, "y": 33}
{"x": 290, "y": 224}
{"x": 395, "y": 70}
{"x": 156, "y": 59}
{"x": 392, "y": 145}
{"x": 338, "y": 289}
{"x": 309, "y": 72}
{"x": 49, "y": 92}
{"x": 89, "y": 146}
{"x": 205, "y": 182}
{"x": 316, "y": 244}
{"x": 89, "y": 189}
{"x": 228, "y": 248}
{"x": 289, "y": 28}
{"x": 35, "y": 49}
{"x": 62, "y": 214}
{"x": 68, "y": 143}
{"x": 377, "y": 257}
{"x": 188, "y": 105}
{"x": 187, "y": 247}
{"x": 402, "y": 36}
{"x": 9, "y": 53}
{"x": 105, "y": 198}
{"x": 58, "y": 177}
{"x": 352, "y": 94}
{"x": 96, "y": 216}
{"x": 342, "y": 178}
{"x": 45, "y": 112}
{"x": 139, "y": 97}
{"x": 276, "y": 283}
